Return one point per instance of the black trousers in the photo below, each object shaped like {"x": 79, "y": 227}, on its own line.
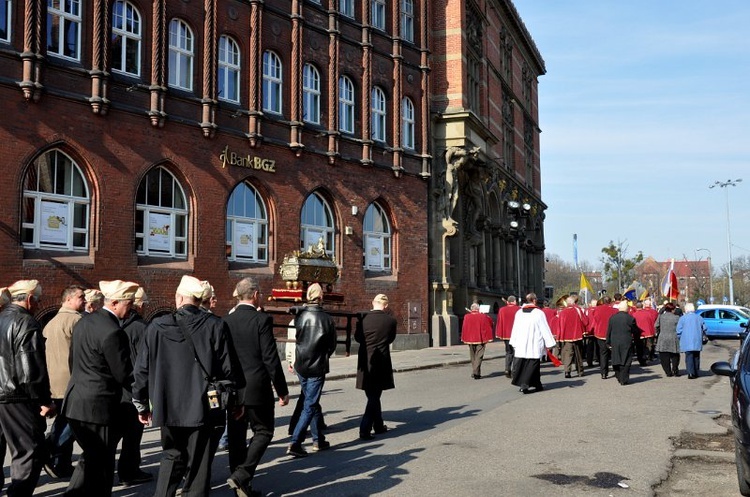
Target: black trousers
{"x": 95, "y": 470}
{"x": 604, "y": 355}
{"x": 129, "y": 463}
{"x": 373, "y": 416}
{"x": 509, "y": 355}
{"x": 670, "y": 362}
{"x": 23, "y": 431}
{"x": 189, "y": 453}
{"x": 243, "y": 459}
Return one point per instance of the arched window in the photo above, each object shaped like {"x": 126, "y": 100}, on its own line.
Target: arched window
{"x": 64, "y": 28}
{"x": 229, "y": 70}
{"x": 247, "y": 225}
{"x": 316, "y": 222}
{"x": 126, "y": 38}
{"x": 161, "y": 216}
{"x": 56, "y": 203}
{"x": 181, "y": 55}
{"x": 346, "y": 105}
{"x": 407, "y": 123}
{"x": 310, "y": 94}
{"x": 377, "y": 233}
{"x": 272, "y": 81}
{"x": 407, "y": 20}
{"x": 378, "y": 114}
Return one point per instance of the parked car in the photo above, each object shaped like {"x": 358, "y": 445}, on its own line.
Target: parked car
{"x": 739, "y": 374}
{"x": 724, "y": 321}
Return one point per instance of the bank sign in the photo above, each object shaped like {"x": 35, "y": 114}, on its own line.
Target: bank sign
{"x": 228, "y": 158}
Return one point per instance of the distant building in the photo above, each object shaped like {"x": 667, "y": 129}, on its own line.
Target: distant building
{"x": 693, "y": 278}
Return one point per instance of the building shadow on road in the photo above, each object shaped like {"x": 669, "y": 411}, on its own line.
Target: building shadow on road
{"x": 351, "y": 467}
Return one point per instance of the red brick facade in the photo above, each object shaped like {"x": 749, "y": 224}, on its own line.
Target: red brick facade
{"x": 117, "y": 128}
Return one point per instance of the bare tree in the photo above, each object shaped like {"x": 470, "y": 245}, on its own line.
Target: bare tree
{"x": 617, "y": 266}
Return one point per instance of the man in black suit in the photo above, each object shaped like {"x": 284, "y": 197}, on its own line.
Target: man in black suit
{"x": 181, "y": 354}
{"x": 374, "y": 368}
{"x": 252, "y": 335}
{"x": 100, "y": 369}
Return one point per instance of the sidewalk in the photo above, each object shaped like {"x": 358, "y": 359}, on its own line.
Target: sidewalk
{"x": 407, "y": 360}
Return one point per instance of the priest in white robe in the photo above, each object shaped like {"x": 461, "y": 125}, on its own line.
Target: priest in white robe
{"x": 530, "y": 338}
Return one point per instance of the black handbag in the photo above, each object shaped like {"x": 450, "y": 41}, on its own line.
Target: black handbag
{"x": 221, "y": 394}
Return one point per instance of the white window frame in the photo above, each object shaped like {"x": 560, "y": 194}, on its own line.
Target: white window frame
{"x": 68, "y": 15}
{"x": 169, "y": 213}
{"x": 378, "y": 114}
{"x": 316, "y": 221}
{"x": 181, "y": 55}
{"x": 229, "y": 69}
{"x": 378, "y": 14}
{"x": 346, "y": 7}
{"x": 7, "y": 11}
{"x": 346, "y": 105}
{"x": 272, "y": 82}
{"x": 310, "y": 94}
{"x": 241, "y": 224}
{"x": 407, "y": 20}
{"x": 378, "y": 252}
{"x": 408, "y": 124}
{"x": 57, "y": 205}
{"x": 126, "y": 24}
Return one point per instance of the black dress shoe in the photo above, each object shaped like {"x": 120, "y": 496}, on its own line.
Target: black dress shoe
{"x": 507, "y": 374}
{"x": 604, "y": 376}
{"x": 136, "y": 479}
{"x": 567, "y": 375}
{"x": 381, "y": 430}
{"x": 366, "y": 436}
{"x": 240, "y": 489}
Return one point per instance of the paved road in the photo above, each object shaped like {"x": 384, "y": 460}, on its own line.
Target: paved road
{"x": 454, "y": 436}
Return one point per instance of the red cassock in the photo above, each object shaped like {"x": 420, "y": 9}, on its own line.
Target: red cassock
{"x": 505, "y": 317}
{"x": 549, "y": 314}
{"x": 601, "y": 315}
{"x": 477, "y": 328}
{"x": 573, "y": 324}
{"x": 645, "y": 319}
{"x": 554, "y": 326}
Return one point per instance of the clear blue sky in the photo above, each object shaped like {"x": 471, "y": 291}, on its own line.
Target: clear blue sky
{"x": 644, "y": 105}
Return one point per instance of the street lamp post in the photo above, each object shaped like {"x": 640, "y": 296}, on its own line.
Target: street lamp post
{"x": 724, "y": 185}
{"x": 710, "y": 276}
{"x": 517, "y": 212}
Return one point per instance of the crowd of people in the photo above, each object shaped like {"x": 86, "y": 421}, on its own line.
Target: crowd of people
{"x": 104, "y": 373}
{"x": 610, "y": 331}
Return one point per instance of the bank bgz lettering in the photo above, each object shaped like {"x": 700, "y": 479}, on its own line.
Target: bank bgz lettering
{"x": 228, "y": 158}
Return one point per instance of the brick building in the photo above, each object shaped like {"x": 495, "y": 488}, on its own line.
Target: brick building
{"x": 693, "y": 278}
{"x": 486, "y": 213}
{"x": 147, "y": 140}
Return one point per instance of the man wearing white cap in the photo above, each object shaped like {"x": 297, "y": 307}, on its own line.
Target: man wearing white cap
{"x": 25, "y": 386}
{"x": 100, "y": 369}
{"x": 181, "y": 353}
{"x": 316, "y": 342}
{"x": 94, "y": 300}
{"x": 129, "y": 463}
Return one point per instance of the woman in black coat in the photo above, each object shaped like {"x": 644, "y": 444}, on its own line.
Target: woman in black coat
{"x": 622, "y": 333}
